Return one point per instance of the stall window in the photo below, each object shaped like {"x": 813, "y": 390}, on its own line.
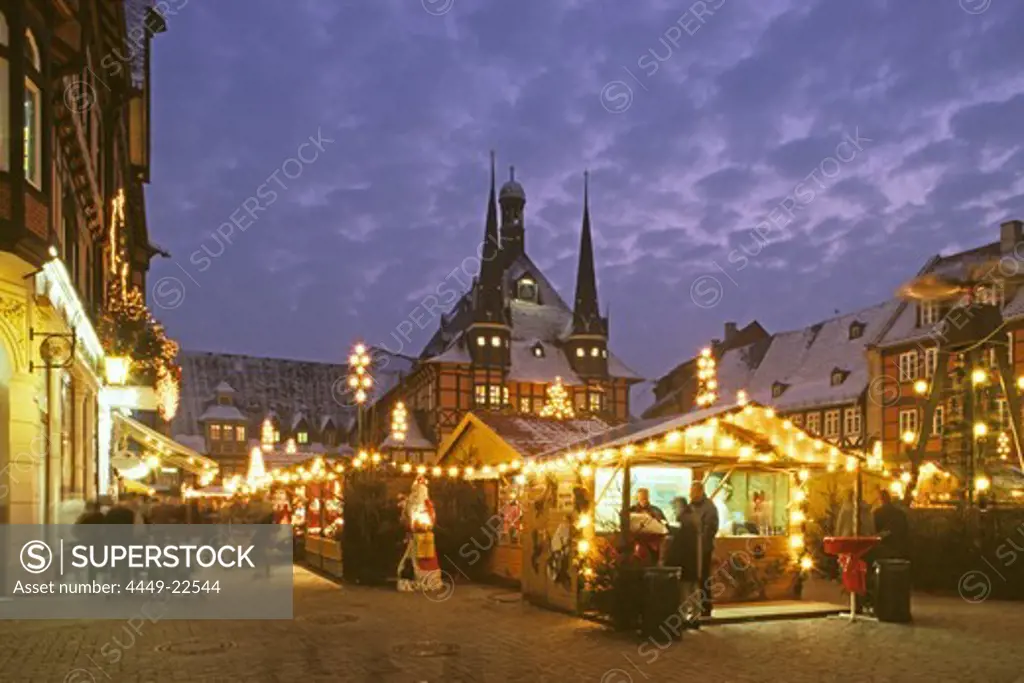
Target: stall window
{"x": 664, "y": 483}
{"x": 750, "y": 503}
{"x": 33, "y": 115}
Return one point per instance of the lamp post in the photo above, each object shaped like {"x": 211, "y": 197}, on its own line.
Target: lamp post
{"x": 360, "y": 381}
{"x": 57, "y": 351}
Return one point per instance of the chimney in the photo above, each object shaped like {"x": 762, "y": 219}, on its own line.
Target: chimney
{"x": 1011, "y": 233}
{"x": 730, "y": 331}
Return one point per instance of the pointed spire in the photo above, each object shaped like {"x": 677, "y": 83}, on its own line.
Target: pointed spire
{"x": 512, "y": 173}
{"x": 586, "y": 317}
{"x": 490, "y": 303}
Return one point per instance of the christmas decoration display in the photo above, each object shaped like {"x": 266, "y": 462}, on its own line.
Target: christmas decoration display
{"x": 359, "y": 380}
{"x": 267, "y": 435}
{"x": 707, "y": 379}
{"x": 557, "y": 406}
{"x": 129, "y": 329}
{"x": 418, "y": 518}
{"x": 399, "y": 422}
{"x": 257, "y": 474}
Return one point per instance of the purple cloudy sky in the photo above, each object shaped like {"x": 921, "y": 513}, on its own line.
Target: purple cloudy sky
{"x": 696, "y": 129}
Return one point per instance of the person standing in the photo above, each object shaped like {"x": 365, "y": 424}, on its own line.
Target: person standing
{"x": 681, "y": 552}
{"x": 643, "y": 504}
{"x": 892, "y": 525}
{"x": 706, "y": 515}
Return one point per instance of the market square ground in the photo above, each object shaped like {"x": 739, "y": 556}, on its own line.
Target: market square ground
{"x": 484, "y": 634}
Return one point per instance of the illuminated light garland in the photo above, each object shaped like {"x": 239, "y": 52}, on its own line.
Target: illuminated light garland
{"x": 707, "y": 379}
{"x": 399, "y": 422}
{"x": 557, "y": 405}
{"x": 360, "y": 380}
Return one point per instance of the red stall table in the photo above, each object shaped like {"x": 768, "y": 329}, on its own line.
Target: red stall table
{"x": 850, "y": 550}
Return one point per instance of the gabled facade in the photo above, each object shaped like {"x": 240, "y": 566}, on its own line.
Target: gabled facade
{"x": 817, "y": 377}
{"x": 512, "y": 336}
{"x": 905, "y": 351}
{"x": 74, "y": 153}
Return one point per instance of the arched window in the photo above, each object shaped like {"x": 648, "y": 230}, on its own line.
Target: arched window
{"x": 5, "y": 123}
{"x": 33, "y": 113}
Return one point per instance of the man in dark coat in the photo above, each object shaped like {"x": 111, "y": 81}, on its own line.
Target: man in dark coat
{"x": 707, "y": 525}
{"x": 682, "y": 553}
{"x": 891, "y": 524}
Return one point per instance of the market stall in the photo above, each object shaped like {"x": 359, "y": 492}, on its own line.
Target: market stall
{"x": 753, "y": 465}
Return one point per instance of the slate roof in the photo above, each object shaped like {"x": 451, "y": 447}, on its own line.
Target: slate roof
{"x": 548, "y": 322}
{"x": 283, "y": 388}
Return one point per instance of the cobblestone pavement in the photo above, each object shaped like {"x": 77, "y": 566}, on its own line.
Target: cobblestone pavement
{"x": 485, "y": 634}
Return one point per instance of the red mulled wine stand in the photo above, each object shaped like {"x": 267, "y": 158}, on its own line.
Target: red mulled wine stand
{"x": 850, "y": 550}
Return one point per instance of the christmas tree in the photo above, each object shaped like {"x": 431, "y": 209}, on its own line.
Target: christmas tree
{"x": 557, "y": 405}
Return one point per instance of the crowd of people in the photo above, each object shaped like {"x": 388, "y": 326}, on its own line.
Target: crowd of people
{"x": 151, "y": 510}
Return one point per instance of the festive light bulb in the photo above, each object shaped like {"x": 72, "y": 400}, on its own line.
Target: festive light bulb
{"x": 982, "y": 483}
{"x": 980, "y": 429}
{"x": 796, "y": 541}
{"x": 806, "y": 563}
{"x": 909, "y": 437}
{"x": 979, "y": 376}
{"x": 583, "y": 546}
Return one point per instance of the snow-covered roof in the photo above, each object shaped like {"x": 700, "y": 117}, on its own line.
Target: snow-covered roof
{"x": 271, "y": 387}
{"x": 222, "y": 413}
{"x": 804, "y": 360}
{"x": 530, "y": 435}
{"x": 224, "y": 388}
{"x": 979, "y": 263}
{"x": 297, "y": 419}
{"x": 414, "y": 439}
{"x": 547, "y": 321}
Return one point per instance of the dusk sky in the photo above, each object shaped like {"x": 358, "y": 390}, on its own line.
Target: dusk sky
{"x": 696, "y": 130}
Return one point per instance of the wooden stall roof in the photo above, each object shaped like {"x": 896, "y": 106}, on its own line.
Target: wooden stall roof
{"x": 526, "y": 435}
{"x": 739, "y": 432}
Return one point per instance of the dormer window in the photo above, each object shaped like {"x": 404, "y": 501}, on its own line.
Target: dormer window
{"x": 595, "y": 352}
{"x": 538, "y": 350}
{"x": 302, "y": 437}
{"x": 580, "y": 353}
{"x": 778, "y": 389}
{"x": 495, "y": 341}
{"x": 930, "y": 312}
{"x": 526, "y": 289}
{"x": 838, "y": 376}
{"x": 480, "y": 341}
{"x": 856, "y": 330}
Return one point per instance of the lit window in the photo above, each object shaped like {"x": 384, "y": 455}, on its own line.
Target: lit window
{"x": 526, "y": 290}
{"x": 302, "y": 437}
{"x": 931, "y": 361}
{"x": 525, "y": 405}
{"x": 930, "y": 312}
{"x": 504, "y": 396}
{"x": 33, "y": 117}
{"x": 604, "y": 353}
{"x": 594, "y": 352}
{"x": 480, "y": 394}
{"x": 797, "y": 420}
{"x": 852, "y": 419}
{"x": 277, "y": 435}
{"x": 596, "y": 402}
{"x": 495, "y": 395}
{"x": 480, "y": 341}
{"x": 938, "y": 420}
{"x": 908, "y": 422}
{"x": 814, "y": 423}
{"x": 579, "y": 353}
{"x": 831, "y": 424}
{"x": 240, "y": 433}
{"x": 538, "y": 350}
{"x": 215, "y": 432}
{"x": 908, "y": 366}
{"x": 495, "y": 342}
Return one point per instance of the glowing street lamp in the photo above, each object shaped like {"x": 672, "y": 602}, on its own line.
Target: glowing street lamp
{"x": 116, "y": 369}
{"x": 360, "y": 381}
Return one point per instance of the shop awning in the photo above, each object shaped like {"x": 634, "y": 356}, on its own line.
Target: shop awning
{"x": 167, "y": 449}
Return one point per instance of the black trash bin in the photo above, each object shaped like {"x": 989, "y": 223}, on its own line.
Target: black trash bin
{"x": 661, "y": 616}
{"x": 892, "y": 591}
{"x": 628, "y": 598}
